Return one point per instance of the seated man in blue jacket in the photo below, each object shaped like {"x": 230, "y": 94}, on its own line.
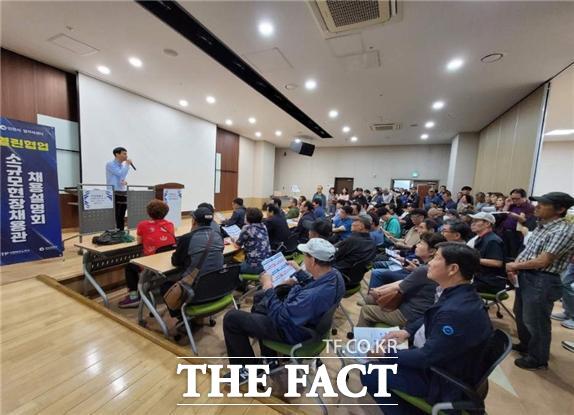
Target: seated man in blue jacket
{"x": 451, "y": 335}
{"x": 283, "y": 320}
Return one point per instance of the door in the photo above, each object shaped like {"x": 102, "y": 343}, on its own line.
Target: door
{"x": 341, "y": 182}
{"x": 226, "y": 168}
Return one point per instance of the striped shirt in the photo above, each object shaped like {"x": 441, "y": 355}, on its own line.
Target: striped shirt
{"x": 556, "y": 238}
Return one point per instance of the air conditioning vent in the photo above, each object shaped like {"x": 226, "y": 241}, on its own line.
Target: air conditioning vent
{"x": 342, "y": 15}
{"x": 386, "y": 126}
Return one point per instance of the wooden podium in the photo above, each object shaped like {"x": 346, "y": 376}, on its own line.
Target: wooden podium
{"x": 160, "y": 187}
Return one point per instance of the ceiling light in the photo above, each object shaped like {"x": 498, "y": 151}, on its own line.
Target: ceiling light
{"x": 210, "y": 99}
{"x": 455, "y": 64}
{"x": 183, "y": 103}
{"x": 252, "y": 120}
{"x": 291, "y": 87}
{"x": 424, "y": 136}
{"x": 492, "y": 57}
{"x": 135, "y": 62}
{"x": 297, "y": 140}
{"x": 560, "y": 132}
{"x": 333, "y": 113}
{"x": 354, "y": 139}
{"x": 438, "y": 105}
{"x": 266, "y": 28}
{"x": 310, "y": 84}
{"x": 104, "y": 69}
{"x": 346, "y": 129}
{"x": 429, "y": 124}
{"x": 228, "y": 122}
{"x": 170, "y": 52}
{"x": 278, "y": 133}
{"x": 257, "y": 134}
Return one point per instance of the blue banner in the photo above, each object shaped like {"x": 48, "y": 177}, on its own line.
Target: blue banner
{"x": 30, "y": 208}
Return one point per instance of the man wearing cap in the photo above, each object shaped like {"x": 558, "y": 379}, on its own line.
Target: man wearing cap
{"x": 491, "y": 278}
{"x": 357, "y": 248}
{"x": 537, "y": 270}
{"x": 284, "y": 320}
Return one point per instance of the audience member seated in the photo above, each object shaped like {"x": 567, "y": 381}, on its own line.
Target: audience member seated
{"x": 456, "y": 231}
{"x": 376, "y": 232}
{"x": 448, "y": 203}
{"x": 432, "y": 199}
{"x": 427, "y": 225}
{"x": 277, "y": 227}
{"x": 277, "y": 202}
{"x": 320, "y": 196}
{"x": 411, "y": 238}
{"x": 254, "y": 240}
{"x": 392, "y": 226}
{"x": 318, "y": 210}
{"x": 464, "y": 206}
{"x": 480, "y": 201}
{"x": 466, "y": 191}
{"x": 492, "y": 275}
{"x": 436, "y": 214}
{"x": 357, "y": 248}
{"x": 283, "y": 319}
{"x": 417, "y": 291}
{"x": 342, "y": 223}
{"x": 450, "y": 336}
{"x": 293, "y": 212}
{"x": 238, "y": 216}
{"x": 344, "y": 195}
{"x": 359, "y": 197}
{"x": 320, "y": 228}
{"x": 153, "y": 233}
{"x": 306, "y": 209}
{"x": 214, "y": 225}
{"x": 301, "y": 200}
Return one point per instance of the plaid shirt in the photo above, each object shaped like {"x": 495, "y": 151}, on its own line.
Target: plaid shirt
{"x": 556, "y": 238}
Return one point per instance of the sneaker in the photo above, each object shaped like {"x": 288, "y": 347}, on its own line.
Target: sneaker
{"x": 568, "y": 345}
{"x": 243, "y": 376}
{"x": 569, "y": 324}
{"x": 520, "y": 348}
{"x": 528, "y": 363}
{"x": 129, "y": 302}
{"x": 274, "y": 366}
{"x": 561, "y": 316}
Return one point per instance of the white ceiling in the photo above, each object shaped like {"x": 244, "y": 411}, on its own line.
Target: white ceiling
{"x": 536, "y": 38}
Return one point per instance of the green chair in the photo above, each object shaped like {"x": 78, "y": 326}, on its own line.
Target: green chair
{"x": 353, "y": 277}
{"x": 249, "y": 280}
{"x": 210, "y": 294}
{"x": 498, "y": 300}
{"x": 309, "y": 349}
{"x": 495, "y": 351}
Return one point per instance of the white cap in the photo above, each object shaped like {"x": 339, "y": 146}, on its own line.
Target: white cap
{"x": 318, "y": 248}
{"x": 484, "y": 216}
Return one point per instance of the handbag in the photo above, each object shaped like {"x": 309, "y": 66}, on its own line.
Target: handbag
{"x": 390, "y": 300}
{"x": 177, "y": 293}
{"x": 112, "y": 237}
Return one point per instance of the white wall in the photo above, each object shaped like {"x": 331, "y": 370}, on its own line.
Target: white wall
{"x": 256, "y": 168}
{"x": 246, "y": 166}
{"x": 369, "y": 166}
{"x": 165, "y": 145}
{"x": 462, "y": 164}
{"x": 555, "y": 168}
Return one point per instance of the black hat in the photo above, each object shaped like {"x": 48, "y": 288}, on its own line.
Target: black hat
{"x": 560, "y": 199}
{"x": 202, "y": 214}
{"x": 322, "y": 226}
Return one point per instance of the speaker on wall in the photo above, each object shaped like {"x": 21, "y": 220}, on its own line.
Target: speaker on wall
{"x": 305, "y": 149}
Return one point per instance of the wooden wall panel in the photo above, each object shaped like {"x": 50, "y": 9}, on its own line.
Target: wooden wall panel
{"x": 18, "y": 95}
{"x": 223, "y": 199}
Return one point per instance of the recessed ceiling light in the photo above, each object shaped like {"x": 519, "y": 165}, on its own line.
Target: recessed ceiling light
{"x": 438, "y": 105}
{"x": 333, "y": 113}
{"x": 429, "y": 124}
{"x": 297, "y": 140}
{"x": 278, "y": 133}
{"x": 560, "y": 132}
{"x": 266, "y": 28}
{"x": 346, "y": 129}
{"x": 183, "y": 103}
{"x": 228, "y": 122}
{"x": 170, "y": 52}
{"x": 424, "y": 136}
{"x": 492, "y": 57}
{"x": 135, "y": 62}
{"x": 291, "y": 87}
{"x": 257, "y": 134}
{"x": 210, "y": 99}
{"x": 104, "y": 69}
{"x": 252, "y": 120}
{"x": 310, "y": 84}
{"x": 354, "y": 139}
{"x": 455, "y": 64}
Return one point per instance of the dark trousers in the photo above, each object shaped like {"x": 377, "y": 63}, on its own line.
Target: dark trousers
{"x": 239, "y": 326}
{"x": 132, "y": 272}
{"x": 535, "y": 296}
{"x": 121, "y": 203}
{"x": 408, "y": 380}
{"x": 512, "y": 243}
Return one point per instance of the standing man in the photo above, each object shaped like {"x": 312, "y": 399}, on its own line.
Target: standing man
{"x": 519, "y": 211}
{"x": 538, "y": 268}
{"x": 116, "y": 172}
{"x": 319, "y": 195}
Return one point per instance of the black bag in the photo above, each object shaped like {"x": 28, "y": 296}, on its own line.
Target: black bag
{"x": 112, "y": 237}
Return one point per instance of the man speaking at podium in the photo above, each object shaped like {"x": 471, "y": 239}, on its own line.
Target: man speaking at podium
{"x": 116, "y": 172}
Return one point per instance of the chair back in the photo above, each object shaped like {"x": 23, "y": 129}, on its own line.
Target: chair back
{"x": 495, "y": 351}
{"x": 165, "y": 248}
{"x": 323, "y": 327}
{"x": 354, "y": 275}
{"x": 215, "y": 285}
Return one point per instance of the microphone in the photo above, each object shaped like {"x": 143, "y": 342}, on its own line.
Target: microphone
{"x": 133, "y": 167}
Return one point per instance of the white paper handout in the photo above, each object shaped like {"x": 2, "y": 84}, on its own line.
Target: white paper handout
{"x": 373, "y": 335}
{"x": 278, "y": 268}
{"x": 233, "y": 231}
{"x": 391, "y": 253}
